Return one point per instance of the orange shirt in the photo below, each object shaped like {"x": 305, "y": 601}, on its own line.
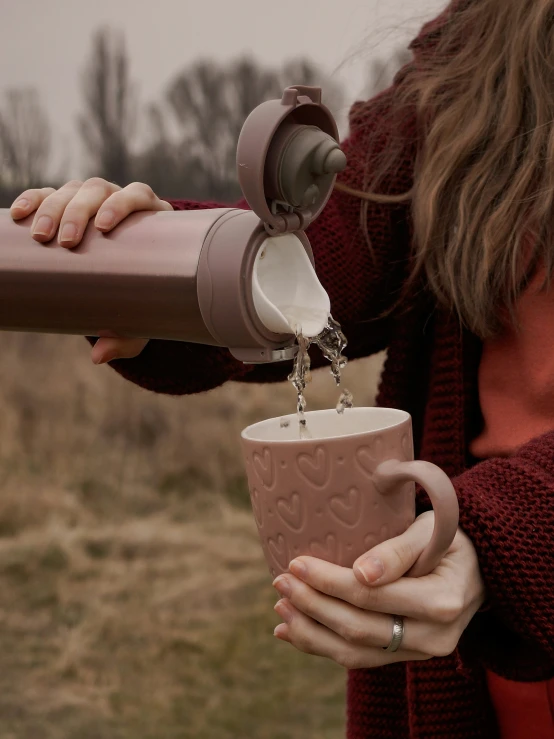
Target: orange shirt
{"x": 516, "y": 378}
{"x": 516, "y": 394}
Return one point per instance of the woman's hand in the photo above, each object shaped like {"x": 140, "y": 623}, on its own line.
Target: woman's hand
{"x": 67, "y": 212}
{"x": 345, "y": 614}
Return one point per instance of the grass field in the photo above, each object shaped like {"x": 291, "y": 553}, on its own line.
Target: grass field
{"x": 134, "y": 597}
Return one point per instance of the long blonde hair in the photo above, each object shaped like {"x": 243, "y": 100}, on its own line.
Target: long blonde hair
{"x": 482, "y": 86}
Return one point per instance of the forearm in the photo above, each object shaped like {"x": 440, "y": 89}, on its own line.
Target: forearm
{"x": 506, "y": 509}
{"x": 178, "y": 368}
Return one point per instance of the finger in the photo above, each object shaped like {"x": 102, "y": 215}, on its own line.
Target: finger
{"x": 48, "y": 215}
{"x": 136, "y": 196}
{"x": 365, "y": 628}
{"x": 28, "y": 202}
{"x": 311, "y": 637}
{"x": 106, "y": 350}
{"x": 394, "y": 557}
{"x": 79, "y": 209}
{"x": 428, "y": 598}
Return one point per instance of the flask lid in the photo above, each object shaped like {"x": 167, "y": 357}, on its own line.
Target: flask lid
{"x": 288, "y": 158}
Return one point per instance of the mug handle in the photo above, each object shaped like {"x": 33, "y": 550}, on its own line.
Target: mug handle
{"x": 442, "y": 494}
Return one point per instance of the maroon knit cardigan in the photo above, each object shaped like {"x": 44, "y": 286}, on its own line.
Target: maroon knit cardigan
{"x": 506, "y": 504}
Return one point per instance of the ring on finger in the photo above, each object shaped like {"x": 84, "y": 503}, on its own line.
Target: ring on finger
{"x": 397, "y": 634}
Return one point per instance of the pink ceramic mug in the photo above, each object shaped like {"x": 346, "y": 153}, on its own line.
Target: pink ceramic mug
{"x": 349, "y": 487}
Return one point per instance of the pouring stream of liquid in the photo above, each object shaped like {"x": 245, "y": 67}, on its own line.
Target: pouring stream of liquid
{"x": 331, "y": 341}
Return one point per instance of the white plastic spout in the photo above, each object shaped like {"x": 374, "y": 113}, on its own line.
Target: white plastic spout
{"x": 288, "y": 296}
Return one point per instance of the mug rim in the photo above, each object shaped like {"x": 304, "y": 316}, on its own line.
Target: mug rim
{"x": 403, "y": 416}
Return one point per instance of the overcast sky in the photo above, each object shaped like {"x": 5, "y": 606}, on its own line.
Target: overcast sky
{"x": 45, "y": 43}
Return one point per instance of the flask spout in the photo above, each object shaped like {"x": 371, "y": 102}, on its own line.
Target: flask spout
{"x": 288, "y": 296}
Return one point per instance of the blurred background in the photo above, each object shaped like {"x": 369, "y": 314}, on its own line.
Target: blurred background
{"x": 134, "y": 597}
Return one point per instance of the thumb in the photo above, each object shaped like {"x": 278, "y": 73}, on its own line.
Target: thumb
{"x": 391, "y": 559}
{"x": 105, "y": 350}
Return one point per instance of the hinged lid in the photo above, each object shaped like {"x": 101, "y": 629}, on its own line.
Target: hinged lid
{"x": 288, "y": 157}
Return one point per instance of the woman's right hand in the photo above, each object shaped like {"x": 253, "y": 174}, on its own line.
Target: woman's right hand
{"x": 67, "y": 212}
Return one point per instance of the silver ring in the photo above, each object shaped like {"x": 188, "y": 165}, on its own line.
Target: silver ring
{"x": 397, "y": 634}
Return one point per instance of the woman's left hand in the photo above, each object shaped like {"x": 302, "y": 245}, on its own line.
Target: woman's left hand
{"x": 345, "y": 613}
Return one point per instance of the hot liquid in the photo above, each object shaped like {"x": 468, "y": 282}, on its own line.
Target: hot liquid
{"x": 331, "y": 341}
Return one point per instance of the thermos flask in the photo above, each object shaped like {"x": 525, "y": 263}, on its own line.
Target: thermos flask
{"x": 242, "y": 279}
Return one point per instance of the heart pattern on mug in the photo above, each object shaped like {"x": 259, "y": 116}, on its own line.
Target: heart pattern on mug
{"x": 368, "y": 457}
{"x": 376, "y": 448}
{"x": 323, "y": 500}
{"x": 371, "y": 540}
{"x": 407, "y": 447}
{"x": 326, "y": 551}
{"x": 263, "y": 464}
{"x": 347, "y": 508}
{"x": 292, "y": 511}
{"x": 278, "y": 550}
{"x": 314, "y": 467}
{"x": 256, "y": 506}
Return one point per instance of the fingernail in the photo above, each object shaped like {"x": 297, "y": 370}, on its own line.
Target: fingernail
{"x": 298, "y": 568}
{"x": 69, "y": 232}
{"x": 281, "y": 632}
{"x": 103, "y": 358}
{"x": 284, "y": 611}
{"x": 44, "y": 226}
{"x": 106, "y": 220}
{"x": 372, "y": 569}
{"x": 282, "y": 586}
{"x": 20, "y": 204}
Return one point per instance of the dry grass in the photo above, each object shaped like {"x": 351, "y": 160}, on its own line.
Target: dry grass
{"x": 134, "y": 598}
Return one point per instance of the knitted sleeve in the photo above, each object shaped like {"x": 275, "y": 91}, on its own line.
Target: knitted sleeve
{"x": 507, "y": 510}
{"x": 360, "y": 281}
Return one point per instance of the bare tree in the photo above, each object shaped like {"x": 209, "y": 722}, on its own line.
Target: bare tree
{"x": 108, "y": 123}
{"x": 167, "y": 166}
{"x": 25, "y": 140}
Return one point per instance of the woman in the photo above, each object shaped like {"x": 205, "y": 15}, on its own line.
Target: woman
{"x": 443, "y": 265}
